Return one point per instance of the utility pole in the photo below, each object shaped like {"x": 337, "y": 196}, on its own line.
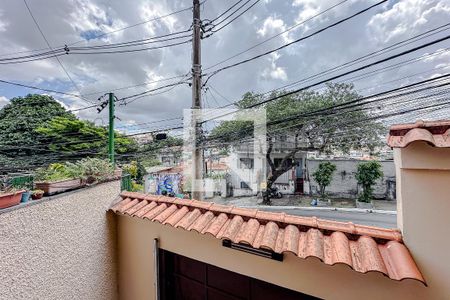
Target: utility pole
{"x": 197, "y": 154}
{"x": 111, "y": 128}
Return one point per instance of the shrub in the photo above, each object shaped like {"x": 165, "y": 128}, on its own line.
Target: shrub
{"x": 93, "y": 168}
{"x": 323, "y": 176}
{"x": 136, "y": 187}
{"x": 136, "y": 170}
{"x": 366, "y": 175}
{"x": 57, "y": 172}
{"x": 98, "y": 169}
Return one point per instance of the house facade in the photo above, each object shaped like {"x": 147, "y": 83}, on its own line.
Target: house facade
{"x": 245, "y": 179}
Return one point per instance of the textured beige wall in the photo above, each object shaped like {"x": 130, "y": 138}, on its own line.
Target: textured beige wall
{"x": 424, "y": 207}
{"x": 310, "y": 276}
{"x": 60, "y": 249}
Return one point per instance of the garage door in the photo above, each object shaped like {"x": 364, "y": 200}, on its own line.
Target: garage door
{"x": 185, "y": 278}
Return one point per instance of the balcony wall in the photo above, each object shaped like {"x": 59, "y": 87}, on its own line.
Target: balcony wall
{"x": 61, "y": 248}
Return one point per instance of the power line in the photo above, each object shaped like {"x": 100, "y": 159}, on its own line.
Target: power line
{"x": 359, "y": 101}
{"x": 233, "y": 19}
{"x": 277, "y": 35}
{"x": 226, "y": 11}
{"x": 110, "y": 32}
{"x": 40, "y": 89}
{"x": 136, "y": 85}
{"x": 348, "y": 72}
{"x": 139, "y": 95}
{"x": 371, "y": 55}
{"x": 297, "y": 40}
{"x": 48, "y": 44}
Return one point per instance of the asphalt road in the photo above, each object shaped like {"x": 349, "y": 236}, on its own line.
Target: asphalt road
{"x": 363, "y": 218}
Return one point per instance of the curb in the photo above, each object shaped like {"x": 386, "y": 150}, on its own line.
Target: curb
{"x": 357, "y": 210}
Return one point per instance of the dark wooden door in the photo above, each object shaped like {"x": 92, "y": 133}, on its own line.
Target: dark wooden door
{"x": 299, "y": 189}
{"x": 185, "y": 278}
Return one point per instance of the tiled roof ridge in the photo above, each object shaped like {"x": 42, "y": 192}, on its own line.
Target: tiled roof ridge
{"x": 362, "y": 248}
{"x": 264, "y": 217}
{"x": 435, "y": 133}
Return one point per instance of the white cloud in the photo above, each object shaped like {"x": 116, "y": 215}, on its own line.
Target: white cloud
{"x": 63, "y": 21}
{"x": 3, "y": 24}
{"x": 3, "y": 101}
{"x": 274, "y": 71}
{"x": 407, "y": 16}
{"x": 273, "y": 26}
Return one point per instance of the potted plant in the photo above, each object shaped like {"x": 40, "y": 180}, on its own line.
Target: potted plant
{"x": 37, "y": 194}
{"x": 58, "y": 178}
{"x": 94, "y": 170}
{"x": 25, "y": 196}
{"x": 10, "y": 197}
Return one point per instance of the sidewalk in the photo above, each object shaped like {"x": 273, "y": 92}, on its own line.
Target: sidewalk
{"x": 297, "y": 202}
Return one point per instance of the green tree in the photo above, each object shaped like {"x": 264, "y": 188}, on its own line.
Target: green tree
{"x": 149, "y": 151}
{"x": 37, "y": 130}
{"x": 79, "y": 138}
{"x": 18, "y": 120}
{"x": 366, "y": 175}
{"x": 295, "y": 117}
{"x": 323, "y": 176}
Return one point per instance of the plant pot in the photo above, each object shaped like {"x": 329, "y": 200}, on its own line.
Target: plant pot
{"x": 25, "y": 196}
{"x": 10, "y": 199}
{"x": 364, "y": 205}
{"x": 37, "y": 196}
{"x": 51, "y": 188}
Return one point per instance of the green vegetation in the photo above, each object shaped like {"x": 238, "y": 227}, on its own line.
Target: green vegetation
{"x": 323, "y": 176}
{"x": 366, "y": 175}
{"x": 292, "y": 117}
{"x": 88, "y": 169}
{"x": 79, "y": 138}
{"x": 136, "y": 170}
{"x": 19, "y": 143}
{"x": 147, "y": 153}
{"x": 37, "y": 130}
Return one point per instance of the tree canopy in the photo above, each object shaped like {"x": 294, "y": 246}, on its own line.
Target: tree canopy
{"x": 37, "y": 130}
{"x": 307, "y": 120}
{"x": 79, "y": 138}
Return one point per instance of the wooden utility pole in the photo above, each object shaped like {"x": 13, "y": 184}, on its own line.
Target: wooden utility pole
{"x": 111, "y": 129}
{"x": 197, "y": 155}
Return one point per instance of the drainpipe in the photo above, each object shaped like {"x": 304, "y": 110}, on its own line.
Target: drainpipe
{"x": 156, "y": 264}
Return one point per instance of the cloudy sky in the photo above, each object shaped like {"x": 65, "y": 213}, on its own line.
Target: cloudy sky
{"x": 69, "y": 21}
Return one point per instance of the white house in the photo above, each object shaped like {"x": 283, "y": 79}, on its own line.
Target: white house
{"x": 246, "y": 178}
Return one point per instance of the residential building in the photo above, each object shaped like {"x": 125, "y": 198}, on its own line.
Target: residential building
{"x": 245, "y": 179}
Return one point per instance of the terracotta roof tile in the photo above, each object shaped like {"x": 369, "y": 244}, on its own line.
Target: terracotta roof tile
{"x": 436, "y": 133}
{"x": 363, "y": 248}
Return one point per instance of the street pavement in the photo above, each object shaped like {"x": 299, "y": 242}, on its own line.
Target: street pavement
{"x": 357, "y": 217}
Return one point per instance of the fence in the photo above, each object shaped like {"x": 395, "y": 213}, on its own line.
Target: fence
{"x": 22, "y": 181}
{"x": 125, "y": 183}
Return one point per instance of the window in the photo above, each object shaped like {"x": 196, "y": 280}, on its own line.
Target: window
{"x": 244, "y": 185}
{"x": 246, "y": 163}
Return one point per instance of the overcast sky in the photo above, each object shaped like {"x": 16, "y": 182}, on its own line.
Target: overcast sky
{"x": 68, "y": 21}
